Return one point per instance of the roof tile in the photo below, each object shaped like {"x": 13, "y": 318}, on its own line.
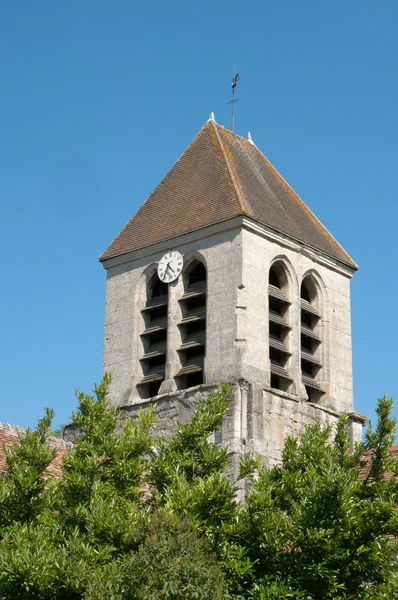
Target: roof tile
{"x": 221, "y": 175}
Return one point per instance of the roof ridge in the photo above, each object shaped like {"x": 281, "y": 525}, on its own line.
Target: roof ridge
{"x": 220, "y": 175}
{"x": 266, "y": 183}
{"x": 141, "y": 207}
{"x": 233, "y": 133}
{"x": 230, "y": 170}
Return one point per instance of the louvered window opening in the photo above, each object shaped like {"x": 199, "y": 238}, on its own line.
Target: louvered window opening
{"x": 310, "y": 344}
{"x": 154, "y": 338}
{"x": 278, "y": 333}
{"x": 193, "y": 329}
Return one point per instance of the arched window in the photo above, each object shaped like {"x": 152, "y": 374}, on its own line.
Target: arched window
{"x": 154, "y": 337}
{"x": 310, "y": 338}
{"x": 279, "y": 328}
{"x": 193, "y": 326}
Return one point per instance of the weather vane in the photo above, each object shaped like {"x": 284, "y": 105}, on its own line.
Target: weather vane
{"x": 235, "y": 80}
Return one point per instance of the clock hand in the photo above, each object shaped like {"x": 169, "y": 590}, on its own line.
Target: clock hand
{"x": 168, "y": 267}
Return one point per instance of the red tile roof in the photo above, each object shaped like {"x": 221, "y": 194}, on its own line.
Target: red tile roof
{"x": 367, "y": 457}
{"x": 219, "y": 176}
{"x": 9, "y": 434}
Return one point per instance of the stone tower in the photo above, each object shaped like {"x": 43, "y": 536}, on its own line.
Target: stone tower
{"x": 262, "y": 300}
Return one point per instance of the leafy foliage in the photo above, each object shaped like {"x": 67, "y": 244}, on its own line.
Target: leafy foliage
{"x": 316, "y": 528}
{"x": 90, "y": 529}
{"x": 24, "y": 491}
{"x": 135, "y": 516}
{"x": 172, "y": 562}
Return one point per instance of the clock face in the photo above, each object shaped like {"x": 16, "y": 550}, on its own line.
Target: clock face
{"x": 170, "y": 266}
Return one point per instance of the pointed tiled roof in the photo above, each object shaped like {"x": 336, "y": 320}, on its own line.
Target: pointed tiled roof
{"x": 219, "y": 176}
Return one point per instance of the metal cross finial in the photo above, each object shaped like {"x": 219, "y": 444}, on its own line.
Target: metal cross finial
{"x": 235, "y": 80}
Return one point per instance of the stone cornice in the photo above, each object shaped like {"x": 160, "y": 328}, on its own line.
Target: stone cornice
{"x": 297, "y": 246}
{"x": 238, "y": 222}
{"x": 179, "y": 240}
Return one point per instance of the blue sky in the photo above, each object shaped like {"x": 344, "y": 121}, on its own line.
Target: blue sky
{"x": 98, "y": 99}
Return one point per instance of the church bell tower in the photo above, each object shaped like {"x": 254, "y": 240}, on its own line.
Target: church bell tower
{"x": 224, "y": 274}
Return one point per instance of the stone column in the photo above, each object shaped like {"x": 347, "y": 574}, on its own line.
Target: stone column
{"x": 295, "y": 339}
{"x": 174, "y": 316}
{"x": 256, "y": 443}
{"x": 355, "y": 424}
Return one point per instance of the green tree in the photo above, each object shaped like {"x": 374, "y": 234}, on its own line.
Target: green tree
{"x": 173, "y": 562}
{"x": 135, "y": 516}
{"x": 322, "y": 526}
{"x": 24, "y": 491}
{"x": 65, "y": 538}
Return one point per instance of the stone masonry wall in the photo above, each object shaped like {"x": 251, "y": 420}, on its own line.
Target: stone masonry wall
{"x": 237, "y": 260}
{"x": 256, "y": 422}
{"x": 258, "y": 254}
{"x": 125, "y": 298}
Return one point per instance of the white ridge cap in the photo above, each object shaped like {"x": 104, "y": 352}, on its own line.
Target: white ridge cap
{"x": 211, "y": 118}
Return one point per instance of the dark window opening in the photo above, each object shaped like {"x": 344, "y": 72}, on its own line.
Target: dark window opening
{"x": 313, "y": 395}
{"x": 197, "y": 275}
{"x": 148, "y": 390}
{"x": 304, "y": 293}
{"x": 158, "y": 312}
{"x": 280, "y": 383}
{"x": 306, "y": 319}
{"x": 195, "y": 327}
{"x": 273, "y": 278}
{"x": 275, "y": 382}
{"x": 155, "y": 341}
{"x": 158, "y": 336}
{"x": 275, "y": 331}
{"x": 156, "y": 361}
{"x": 310, "y": 345}
{"x": 196, "y": 302}
{"x": 277, "y": 278}
{"x": 307, "y": 368}
{"x": 158, "y": 289}
{"x": 310, "y": 393}
{"x": 194, "y": 331}
{"x": 277, "y": 357}
{"x": 277, "y": 306}
{"x": 192, "y": 353}
{"x": 154, "y": 388}
{"x": 190, "y": 380}
{"x": 194, "y": 379}
{"x": 306, "y": 343}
